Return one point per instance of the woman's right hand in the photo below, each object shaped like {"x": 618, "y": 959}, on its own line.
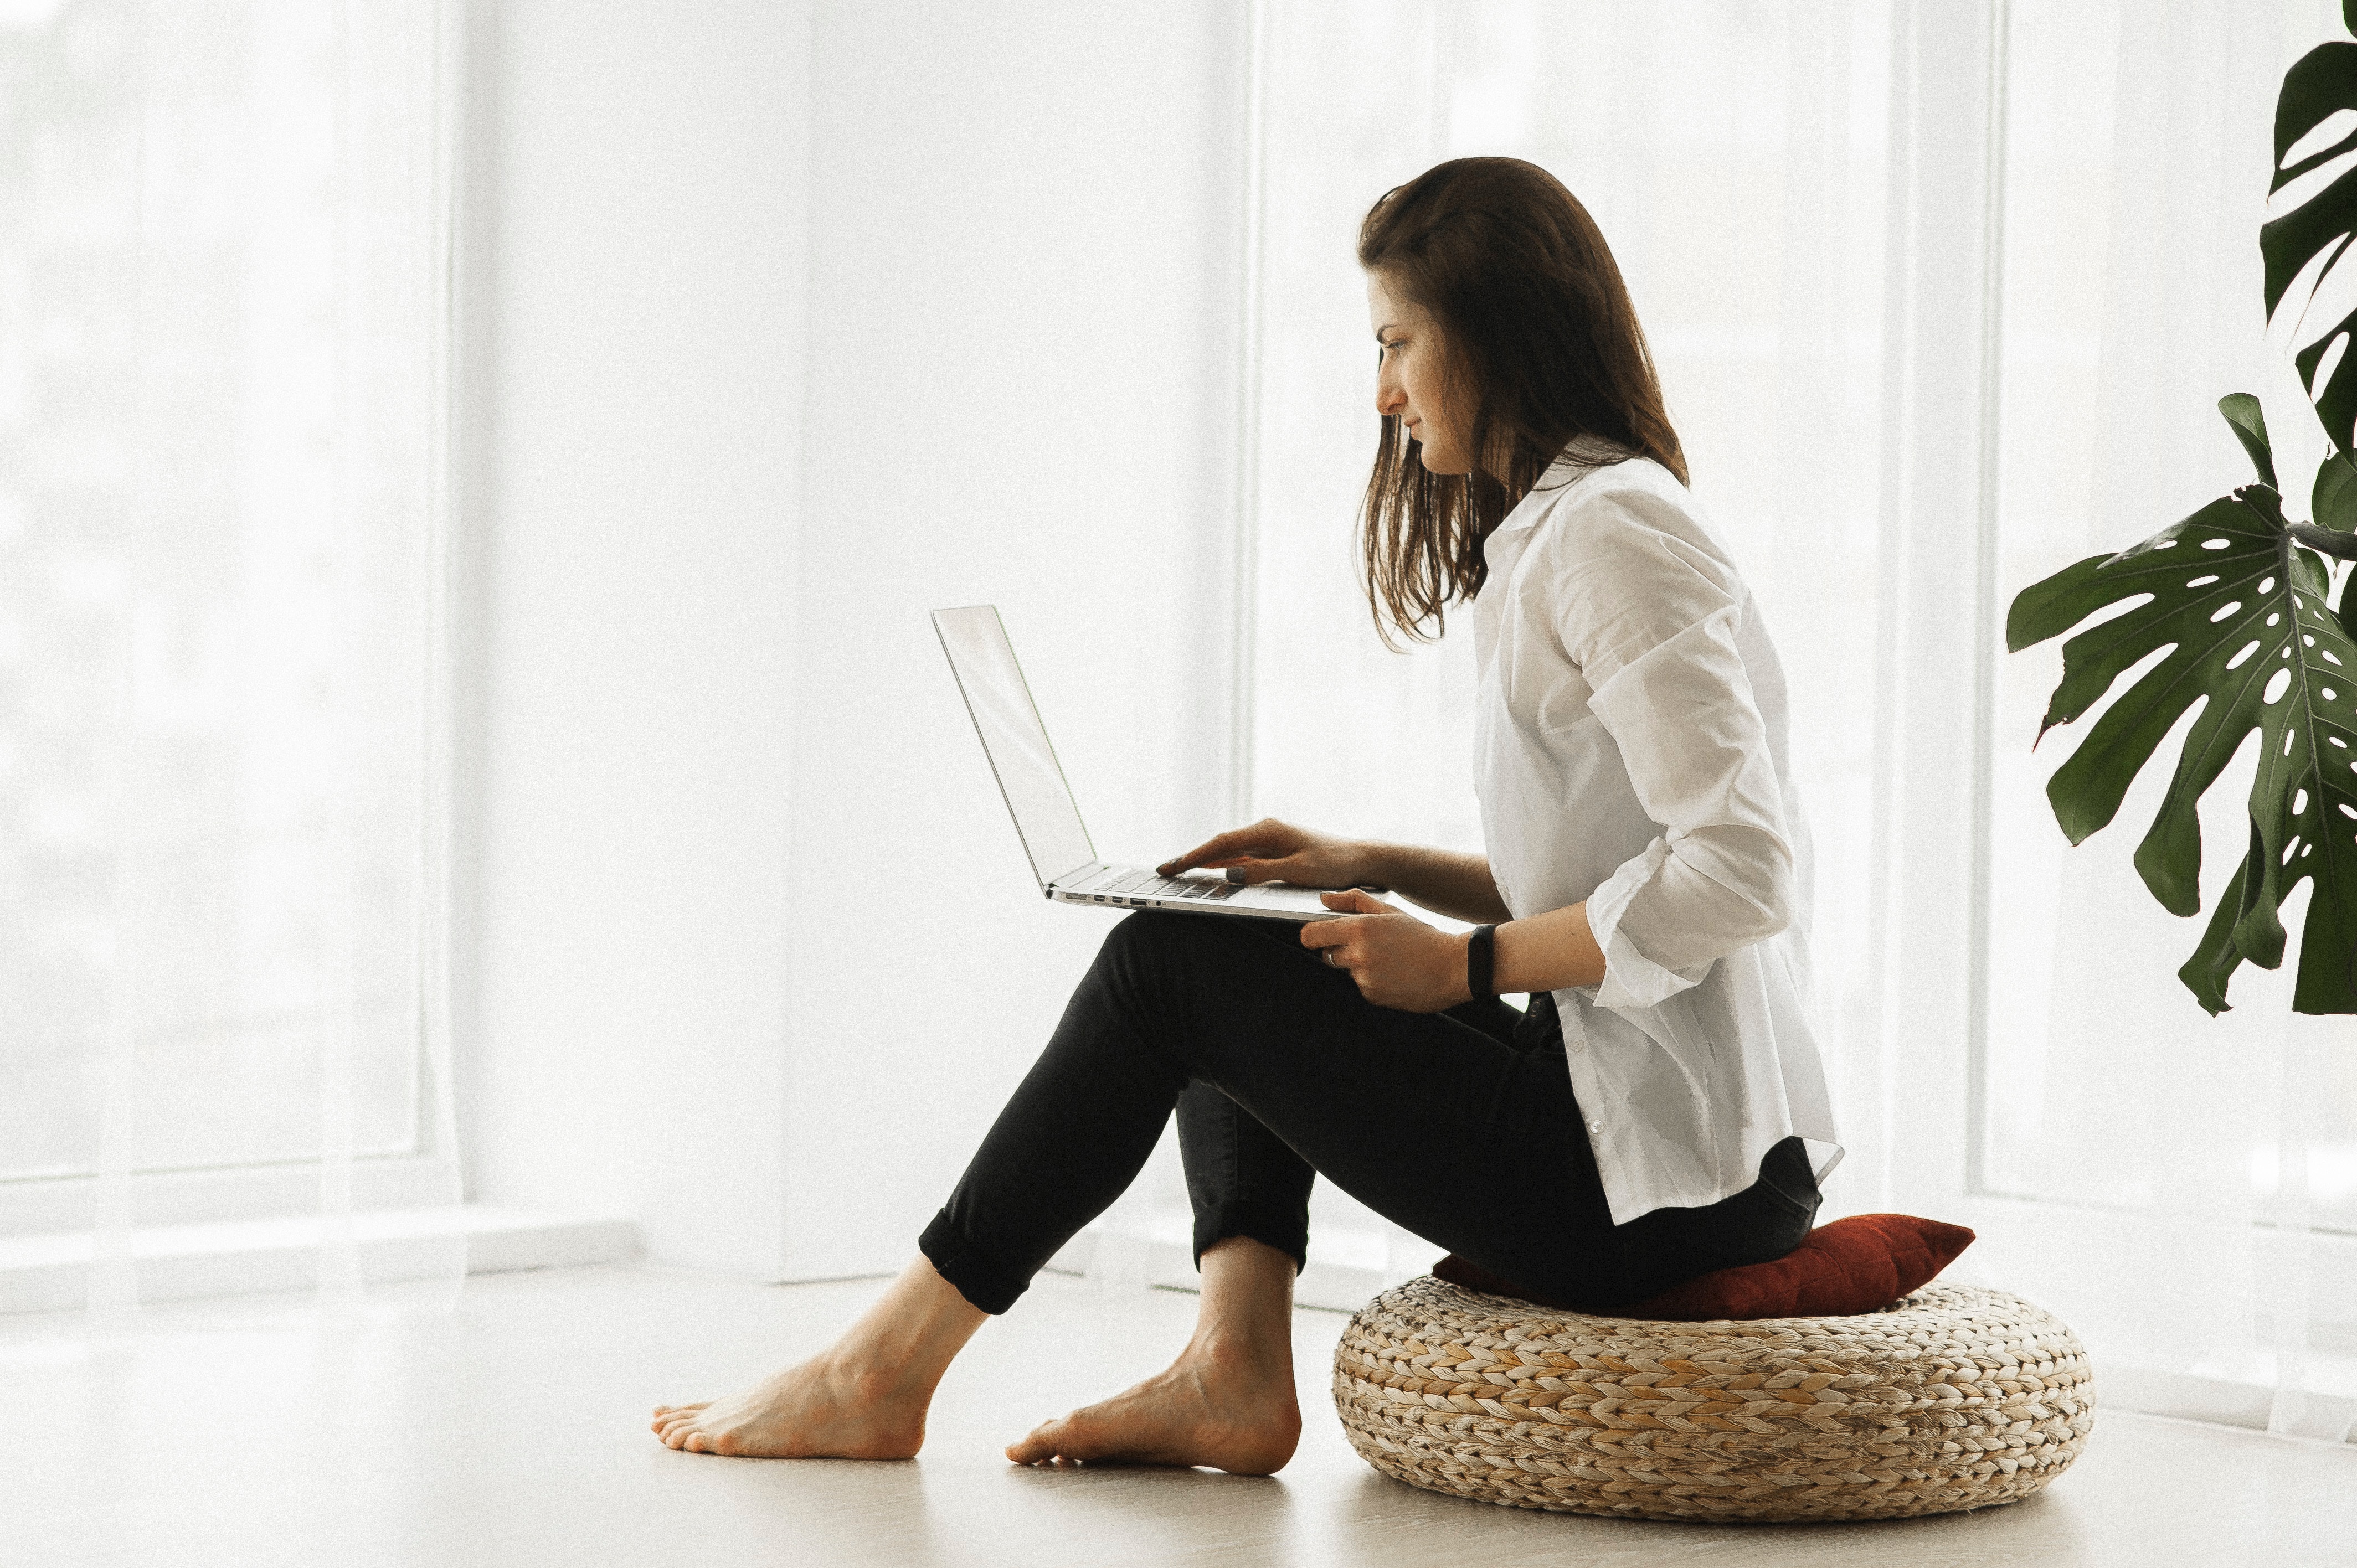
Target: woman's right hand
{"x": 1270, "y": 850}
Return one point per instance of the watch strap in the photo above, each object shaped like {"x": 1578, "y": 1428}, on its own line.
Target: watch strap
{"x": 1481, "y": 961}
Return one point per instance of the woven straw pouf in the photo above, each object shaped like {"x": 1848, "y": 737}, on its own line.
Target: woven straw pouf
{"x": 1954, "y": 1398}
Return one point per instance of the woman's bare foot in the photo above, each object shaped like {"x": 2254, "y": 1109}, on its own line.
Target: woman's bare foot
{"x": 811, "y": 1412}
{"x": 864, "y": 1399}
{"x": 1232, "y": 1412}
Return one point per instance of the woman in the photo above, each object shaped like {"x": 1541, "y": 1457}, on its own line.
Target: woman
{"x": 1637, "y": 1125}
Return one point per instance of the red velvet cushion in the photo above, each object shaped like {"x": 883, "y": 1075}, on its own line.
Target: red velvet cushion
{"x": 1862, "y": 1263}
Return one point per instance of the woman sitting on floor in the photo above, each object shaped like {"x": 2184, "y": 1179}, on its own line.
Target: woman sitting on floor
{"x": 1642, "y": 1122}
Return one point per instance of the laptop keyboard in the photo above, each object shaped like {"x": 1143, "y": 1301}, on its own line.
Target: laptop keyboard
{"x": 1148, "y": 885}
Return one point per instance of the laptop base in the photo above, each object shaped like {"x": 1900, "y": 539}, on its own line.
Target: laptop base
{"x": 1141, "y": 887}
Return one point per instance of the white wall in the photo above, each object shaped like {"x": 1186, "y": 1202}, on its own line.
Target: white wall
{"x": 635, "y": 328}
{"x": 781, "y": 329}
{"x": 1022, "y": 354}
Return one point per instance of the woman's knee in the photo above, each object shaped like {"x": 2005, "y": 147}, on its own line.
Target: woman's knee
{"x": 1155, "y": 934}
{"x": 1152, "y": 953}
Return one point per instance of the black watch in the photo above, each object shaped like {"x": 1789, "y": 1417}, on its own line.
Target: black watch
{"x": 1482, "y": 961}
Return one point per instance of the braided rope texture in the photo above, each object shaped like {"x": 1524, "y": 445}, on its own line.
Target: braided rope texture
{"x": 1955, "y": 1396}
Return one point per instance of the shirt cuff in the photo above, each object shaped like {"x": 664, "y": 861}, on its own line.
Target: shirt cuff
{"x": 1631, "y": 979}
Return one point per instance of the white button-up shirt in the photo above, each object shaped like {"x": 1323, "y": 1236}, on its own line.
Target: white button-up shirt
{"x": 1630, "y": 744}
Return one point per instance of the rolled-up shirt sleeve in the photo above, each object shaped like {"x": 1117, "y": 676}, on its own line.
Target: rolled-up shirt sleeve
{"x": 1652, "y": 622}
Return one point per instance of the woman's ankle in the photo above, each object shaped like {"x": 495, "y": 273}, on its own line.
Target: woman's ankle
{"x": 856, "y": 1375}
{"x": 1232, "y": 1352}
{"x": 901, "y": 1347}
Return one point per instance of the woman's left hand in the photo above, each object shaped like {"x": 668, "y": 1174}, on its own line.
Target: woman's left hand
{"x": 1396, "y": 960}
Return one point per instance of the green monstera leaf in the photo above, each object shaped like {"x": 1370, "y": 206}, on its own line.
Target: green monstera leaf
{"x": 2240, "y": 603}
{"x": 2311, "y": 266}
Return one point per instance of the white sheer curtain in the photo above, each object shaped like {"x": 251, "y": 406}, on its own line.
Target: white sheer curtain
{"x": 2188, "y": 1186}
{"x": 1942, "y": 295}
{"x": 222, "y": 300}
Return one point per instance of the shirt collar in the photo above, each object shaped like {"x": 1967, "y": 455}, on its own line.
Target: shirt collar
{"x": 1581, "y": 456}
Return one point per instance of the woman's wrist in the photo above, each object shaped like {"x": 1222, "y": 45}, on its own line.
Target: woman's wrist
{"x": 1446, "y": 881}
{"x": 1374, "y": 864}
{"x": 1506, "y": 958}
{"x": 1548, "y": 952}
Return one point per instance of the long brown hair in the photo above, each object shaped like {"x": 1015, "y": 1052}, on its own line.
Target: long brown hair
{"x": 1542, "y": 345}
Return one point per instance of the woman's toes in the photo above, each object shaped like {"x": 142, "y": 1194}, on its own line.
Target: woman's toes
{"x": 680, "y": 1412}
{"x": 1041, "y": 1445}
{"x": 1053, "y": 1439}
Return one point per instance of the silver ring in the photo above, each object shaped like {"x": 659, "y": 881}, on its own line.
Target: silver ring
{"x": 1329, "y": 956}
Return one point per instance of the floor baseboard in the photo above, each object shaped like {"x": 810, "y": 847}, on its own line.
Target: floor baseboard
{"x": 53, "y": 1272}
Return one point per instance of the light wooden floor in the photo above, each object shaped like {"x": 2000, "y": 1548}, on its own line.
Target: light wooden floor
{"x": 513, "y": 1432}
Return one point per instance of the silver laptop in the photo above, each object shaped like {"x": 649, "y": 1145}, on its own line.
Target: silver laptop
{"x": 1046, "y": 818}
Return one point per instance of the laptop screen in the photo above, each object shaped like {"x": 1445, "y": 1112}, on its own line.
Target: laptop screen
{"x": 1028, "y": 775}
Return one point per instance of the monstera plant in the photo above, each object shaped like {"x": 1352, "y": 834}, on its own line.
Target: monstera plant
{"x": 2244, "y": 601}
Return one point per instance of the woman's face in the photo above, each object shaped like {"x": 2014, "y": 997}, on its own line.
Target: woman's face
{"x": 1410, "y": 382}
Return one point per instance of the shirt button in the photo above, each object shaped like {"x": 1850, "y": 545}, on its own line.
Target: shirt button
{"x": 1577, "y": 1046}
{"x": 1596, "y": 1126}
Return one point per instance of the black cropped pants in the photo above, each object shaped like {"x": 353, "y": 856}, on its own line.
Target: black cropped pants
{"x": 1459, "y": 1126}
